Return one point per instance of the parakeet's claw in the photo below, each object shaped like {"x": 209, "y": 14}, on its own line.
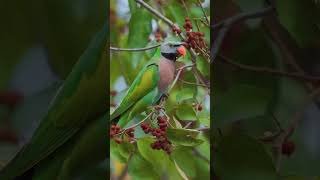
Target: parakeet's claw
{"x": 158, "y": 108}
{"x": 165, "y": 96}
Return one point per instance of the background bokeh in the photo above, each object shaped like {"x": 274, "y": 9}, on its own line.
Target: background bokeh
{"x": 40, "y": 41}
{"x": 288, "y": 40}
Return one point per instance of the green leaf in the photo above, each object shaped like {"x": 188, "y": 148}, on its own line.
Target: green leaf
{"x": 140, "y": 168}
{"x": 245, "y": 157}
{"x": 121, "y": 151}
{"x": 186, "y": 112}
{"x": 185, "y": 160}
{"x": 301, "y": 19}
{"x": 139, "y": 31}
{"x": 184, "y": 94}
{"x": 240, "y": 102}
{"x": 184, "y": 137}
{"x": 176, "y": 12}
{"x": 158, "y": 159}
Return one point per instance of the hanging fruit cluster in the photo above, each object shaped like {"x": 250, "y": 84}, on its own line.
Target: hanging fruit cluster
{"x": 160, "y": 134}
{"x": 194, "y": 39}
{"x": 119, "y": 135}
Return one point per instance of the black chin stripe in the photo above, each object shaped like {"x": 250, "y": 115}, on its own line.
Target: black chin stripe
{"x": 170, "y": 56}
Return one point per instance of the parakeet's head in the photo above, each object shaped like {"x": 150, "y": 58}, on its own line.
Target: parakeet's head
{"x": 173, "y": 50}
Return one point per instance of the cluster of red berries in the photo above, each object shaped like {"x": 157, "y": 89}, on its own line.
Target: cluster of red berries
{"x": 176, "y": 30}
{"x": 187, "y": 25}
{"x": 160, "y": 133}
{"x": 115, "y": 131}
{"x": 288, "y": 147}
{"x": 194, "y": 39}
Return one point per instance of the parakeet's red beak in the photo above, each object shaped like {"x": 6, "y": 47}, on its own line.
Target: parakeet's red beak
{"x": 182, "y": 50}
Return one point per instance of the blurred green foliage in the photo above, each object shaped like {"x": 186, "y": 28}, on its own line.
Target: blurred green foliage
{"x": 244, "y": 101}
{"x": 64, "y": 29}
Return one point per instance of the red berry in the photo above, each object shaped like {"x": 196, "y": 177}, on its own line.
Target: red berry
{"x": 161, "y": 119}
{"x": 117, "y": 127}
{"x": 288, "y": 147}
{"x": 113, "y": 93}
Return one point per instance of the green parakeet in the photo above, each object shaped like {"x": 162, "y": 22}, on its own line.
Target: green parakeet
{"x": 150, "y": 84}
{"x": 79, "y": 102}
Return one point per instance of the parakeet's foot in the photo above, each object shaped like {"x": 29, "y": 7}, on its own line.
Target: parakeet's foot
{"x": 158, "y": 108}
{"x": 164, "y": 96}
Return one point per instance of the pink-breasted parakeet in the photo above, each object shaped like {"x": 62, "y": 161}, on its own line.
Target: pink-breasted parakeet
{"x": 150, "y": 84}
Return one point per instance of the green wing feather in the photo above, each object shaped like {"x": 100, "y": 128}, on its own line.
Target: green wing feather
{"x": 81, "y": 98}
{"x": 145, "y": 82}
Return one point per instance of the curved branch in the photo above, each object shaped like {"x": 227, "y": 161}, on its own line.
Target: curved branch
{"x": 228, "y": 23}
{"x": 268, "y": 70}
{"x": 134, "y": 49}
{"x": 155, "y": 12}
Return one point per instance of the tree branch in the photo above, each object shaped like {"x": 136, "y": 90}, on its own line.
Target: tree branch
{"x": 228, "y": 23}
{"x": 268, "y": 70}
{"x": 134, "y": 49}
{"x": 191, "y": 83}
{"x": 204, "y": 12}
{"x": 155, "y": 12}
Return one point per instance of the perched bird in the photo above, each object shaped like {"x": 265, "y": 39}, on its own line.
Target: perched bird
{"x": 150, "y": 84}
{"x": 78, "y": 103}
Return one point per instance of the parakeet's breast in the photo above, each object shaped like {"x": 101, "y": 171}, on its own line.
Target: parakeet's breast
{"x": 167, "y": 71}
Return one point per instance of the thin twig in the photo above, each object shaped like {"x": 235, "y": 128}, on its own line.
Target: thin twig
{"x": 178, "y": 75}
{"x": 203, "y": 129}
{"x": 167, "y": 116}
{"x": 277, "y": 122}
{"x": 191, "y": 83}
{"x": 188, "y": 125}
{"x": 185, "y": 7}
{"x": 204, "y": 12}
{"x": 268, "y": 70}
{"x": 228, "y": 23}
{"x": 134, "y": 49}
{"x": 291, "y": 128}
{"x": 243, "y": 16}
{"x": 202, "y": 21}
{"x": 135, "y": 125}
{"x": 155, "y": 12}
